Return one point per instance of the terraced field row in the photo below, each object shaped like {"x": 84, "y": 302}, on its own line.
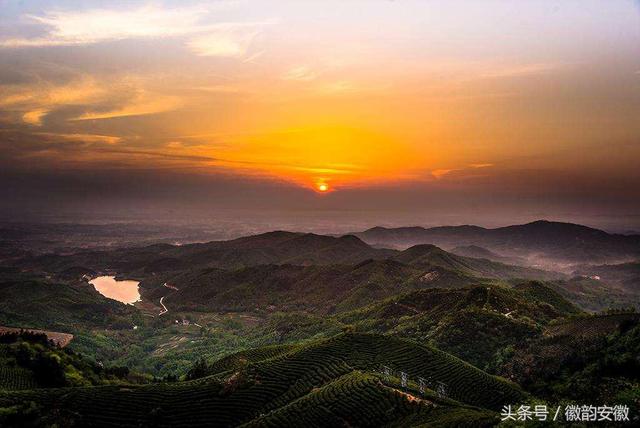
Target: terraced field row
{"x": 355, "y": 399}
{"x": 233, "y": 361}
{"x": 157, "y": 405}
{"x": 591, "y": 326}
{"x": 204, "y": 403}
{"x": 16, "y": 378}
{"x": 465, "y": 383}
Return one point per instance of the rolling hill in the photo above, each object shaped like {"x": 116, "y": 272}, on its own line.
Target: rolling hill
{"x": 316, "y": 330}
{"x": 327, "y": 288}
{"x": 324, "y": 289}
{"x": 274, "y": 248}
{"x": 541, "y": 242}
{"x": 472, "y": 323}
{"x": 268, "y": 248}
{"x": 336, "y": 379}
{"x": 426, "y": 255}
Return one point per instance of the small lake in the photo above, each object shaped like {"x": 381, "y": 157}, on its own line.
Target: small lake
{"x": 125, "y": 291}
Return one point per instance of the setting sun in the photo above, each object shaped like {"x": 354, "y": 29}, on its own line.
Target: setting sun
{"x": 323, "y": 187}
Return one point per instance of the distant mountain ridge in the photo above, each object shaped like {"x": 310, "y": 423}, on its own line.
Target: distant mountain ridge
{"x": 546, "y": 241}
{"x": 272, "y": 248}
{"x": 277, "y": 247}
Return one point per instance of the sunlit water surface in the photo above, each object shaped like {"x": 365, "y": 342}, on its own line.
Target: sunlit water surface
{"x": 125, "y": 291}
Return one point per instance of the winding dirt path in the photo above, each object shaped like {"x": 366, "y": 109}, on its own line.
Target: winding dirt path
{"x": 164, "y": 308}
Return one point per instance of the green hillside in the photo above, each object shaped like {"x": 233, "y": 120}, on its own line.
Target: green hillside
{"x": 594, "y": 295}
{"x": 369, "y": 352}
{"x": 240, "y": 359}
{"x": 341, "y": 403}
{"x": 15, "y": 378}
{"x": 325, "y": 289}
{"x": 29, "y": 360}
{"x": 276, "y": 388}
{"x": 273, "y": 248}
{"x": 472, "y": 323}
{"x": 590, "y": 358}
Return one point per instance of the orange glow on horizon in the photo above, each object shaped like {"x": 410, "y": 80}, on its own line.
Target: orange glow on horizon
{"x": 380, "y": 96}
{"x": 321, "y": 157}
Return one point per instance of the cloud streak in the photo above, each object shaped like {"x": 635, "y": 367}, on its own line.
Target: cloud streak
{"x": 143, "y": 104}
{"x": 87, "y": 98}
{"x": 69, "y": 28}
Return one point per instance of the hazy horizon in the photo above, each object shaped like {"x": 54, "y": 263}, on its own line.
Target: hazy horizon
{"x": 234, "y": 223}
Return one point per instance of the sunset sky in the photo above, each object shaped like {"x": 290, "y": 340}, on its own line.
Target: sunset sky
{"x": 529, "y": 108}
